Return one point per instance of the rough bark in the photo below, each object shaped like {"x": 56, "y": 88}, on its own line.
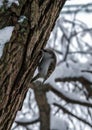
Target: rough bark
{"x": 44, "y": 108}
{"x": 22, "y": 53}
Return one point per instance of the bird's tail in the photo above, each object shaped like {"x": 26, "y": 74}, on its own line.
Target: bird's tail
{"x": 35, "y": 78}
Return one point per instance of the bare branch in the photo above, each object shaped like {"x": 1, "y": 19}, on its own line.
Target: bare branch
{"x": 66, "y": 98}
{"x": 68, "y": 112}
{"x": 25, "y": 123}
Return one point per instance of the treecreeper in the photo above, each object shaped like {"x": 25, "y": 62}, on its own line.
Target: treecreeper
{"x": 46, "y": 65}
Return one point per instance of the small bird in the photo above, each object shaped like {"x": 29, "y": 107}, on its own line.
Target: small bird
{"x": 46, "y": 66}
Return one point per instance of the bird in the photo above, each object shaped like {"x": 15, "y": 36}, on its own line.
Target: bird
{"x": 46, "y": 65}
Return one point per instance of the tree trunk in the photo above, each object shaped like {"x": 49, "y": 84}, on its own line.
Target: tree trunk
{"x": 44, "y": 108}
{"x": 22, "y": 53}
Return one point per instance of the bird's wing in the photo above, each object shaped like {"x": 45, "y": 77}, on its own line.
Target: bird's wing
{"x": 50, "y": 70}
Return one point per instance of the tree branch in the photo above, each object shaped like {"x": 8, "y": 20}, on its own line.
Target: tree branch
{"x": 66, "y": 98}
{"x": 68, "y": 112}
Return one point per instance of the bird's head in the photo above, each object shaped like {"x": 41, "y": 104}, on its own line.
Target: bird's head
{"x": 48, "y": 53}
